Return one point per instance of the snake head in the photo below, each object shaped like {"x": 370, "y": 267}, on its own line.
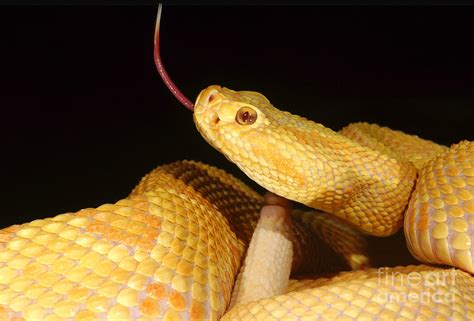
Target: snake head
{"x": 223, "y": 115}
{"x": 239, "y": 125}
{"x": 267, "y": 144}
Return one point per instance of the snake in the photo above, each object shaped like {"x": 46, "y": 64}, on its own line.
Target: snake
{"x": 193, "y": 242}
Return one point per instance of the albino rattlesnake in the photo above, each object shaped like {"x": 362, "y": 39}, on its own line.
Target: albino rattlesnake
{"x": 173, "y": 248}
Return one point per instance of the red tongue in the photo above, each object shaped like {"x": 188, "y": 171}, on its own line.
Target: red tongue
{"x": 161, "y": 69}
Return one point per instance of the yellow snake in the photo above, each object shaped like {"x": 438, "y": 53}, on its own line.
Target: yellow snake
{"x": 173, "y": 249}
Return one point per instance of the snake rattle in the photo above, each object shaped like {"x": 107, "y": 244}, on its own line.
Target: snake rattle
{"x": 192, "y": 242}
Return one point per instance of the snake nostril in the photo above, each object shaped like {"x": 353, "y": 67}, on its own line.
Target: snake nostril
{"x": 211, "y": 97}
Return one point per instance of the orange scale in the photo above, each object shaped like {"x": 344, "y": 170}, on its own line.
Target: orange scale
{"x": 98, "y": 227}
{"x": 142, "y": 205}
{"x": 130, "y": 239}
{"x": 114, "y": 234}
{"x": 139, "y": 198}
{"x": 469, "y": 206}
{"x": 453, "y": 171}
{"x": 177, "y": 301}
{"x": 145, "y": 244}
{"x": 150, "y": 233}
{"x": 197, "y": 311}
{"x": 156, "y": 291}
{"x": 149, "y": 308}
{"x": 86, "y": 212}
{"x": 138, "y": 215}
{"x": 153, "y": 221}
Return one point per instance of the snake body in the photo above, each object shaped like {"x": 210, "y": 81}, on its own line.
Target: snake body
{"x": 172, "y": 249}
{"x": 372, "y": 177}
{"x": 182, "y": 245}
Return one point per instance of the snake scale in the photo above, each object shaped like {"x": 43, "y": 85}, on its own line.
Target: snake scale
{"x": 174, "y": 248}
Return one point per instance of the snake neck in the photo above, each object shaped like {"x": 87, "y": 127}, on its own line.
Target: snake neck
{"x": 306, "y": 162}
{"x": 328, "y": 171}
{"x": 369, "y": 186}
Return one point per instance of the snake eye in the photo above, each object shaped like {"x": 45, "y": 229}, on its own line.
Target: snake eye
{"x": 246, "y": 116}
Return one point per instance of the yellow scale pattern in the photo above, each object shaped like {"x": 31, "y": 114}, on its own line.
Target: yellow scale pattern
{"x": 365, "y": 174}
{"x": 165, "y": 251}
{"x": 393, "y": 142}
{"x": 400, "y": 293}
{"x": 306, "y": 162}
{"x": 439, "y": 224}
{"x": 172, "y": 249}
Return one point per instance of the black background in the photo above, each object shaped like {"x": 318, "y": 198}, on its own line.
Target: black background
{"x": 84, "y": 114}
